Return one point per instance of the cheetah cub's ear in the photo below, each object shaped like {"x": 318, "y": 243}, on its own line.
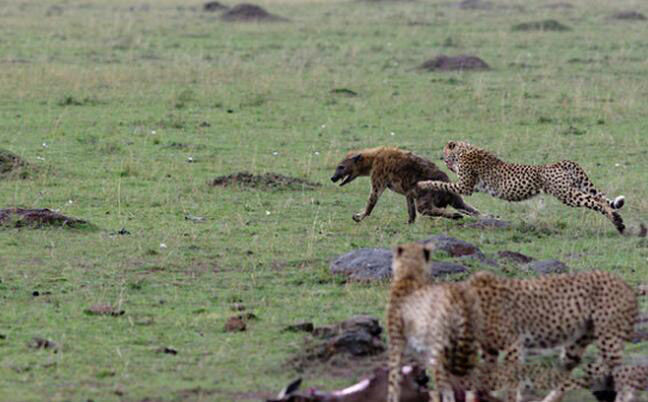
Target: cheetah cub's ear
{"x": 426, "y": 254}
{"x": 451, "y": 145}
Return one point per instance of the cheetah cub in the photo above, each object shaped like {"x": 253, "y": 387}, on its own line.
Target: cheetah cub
{"x": 450, "y": 325}
{"x": 433, "y": 320}
{"x": 480, "y": 170}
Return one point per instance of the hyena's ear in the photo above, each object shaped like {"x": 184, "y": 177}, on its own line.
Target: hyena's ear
{"x": 399, "y": 251}
{"x": 426, "y": 254}
{"x": 356, "y": 158}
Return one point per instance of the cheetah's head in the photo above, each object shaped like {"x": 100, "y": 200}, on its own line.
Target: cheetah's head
{"x": 410, "y": 260}
{"x": 451, "y": 153}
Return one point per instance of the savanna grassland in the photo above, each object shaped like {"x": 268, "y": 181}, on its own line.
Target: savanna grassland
{"x": 108, "y": 100}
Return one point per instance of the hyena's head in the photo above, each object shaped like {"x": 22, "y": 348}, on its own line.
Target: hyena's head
{"x": 354, "y": 165}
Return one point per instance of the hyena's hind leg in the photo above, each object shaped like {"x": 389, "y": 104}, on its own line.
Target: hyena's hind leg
{"x": 581, "y": 181}
{"x": 460, "y": 205}
{"x": 428, "y": 209}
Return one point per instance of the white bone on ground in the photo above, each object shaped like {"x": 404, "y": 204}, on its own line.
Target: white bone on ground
{"x": 407, "y": 369}
{"x": 352, "y": 389}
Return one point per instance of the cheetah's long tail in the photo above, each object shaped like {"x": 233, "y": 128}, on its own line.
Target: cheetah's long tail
{"x": 618, "y": 202}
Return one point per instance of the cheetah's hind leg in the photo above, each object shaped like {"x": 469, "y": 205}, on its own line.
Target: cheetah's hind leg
{"x": 583, "y": 183}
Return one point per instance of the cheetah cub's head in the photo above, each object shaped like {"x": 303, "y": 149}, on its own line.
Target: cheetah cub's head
{"x": 451, "y": 153}
{"x": 409, "y": 262}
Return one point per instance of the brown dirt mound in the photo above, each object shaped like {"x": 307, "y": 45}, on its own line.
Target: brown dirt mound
{"x": 474, "y": 5}
{"x": 20, "y": 217}
{"x": 212, "y": 6}
{"x": 544, "y": 25}
{"x": 250, "y": 12}
{"x": 12, "y": 164}
{"x": 629, "y": 16}
{"x": 559, "y": 6}
{"x": 455, "y": 63}
{"x": 355, "y": 338}
{"x": 271, "y": 181}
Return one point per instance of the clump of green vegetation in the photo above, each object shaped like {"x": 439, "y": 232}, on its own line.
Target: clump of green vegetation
{"x": 141, "y": 108}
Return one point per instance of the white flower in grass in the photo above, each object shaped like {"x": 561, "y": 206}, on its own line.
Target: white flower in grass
{"x": 45, "y": 145}
{"x": 268, "y": 212}
{"x": 275, "y": 153}
{"x": 617, "y": 164}
{"x": 316, "y": 153}
{"x": 392, "y": 133}
{"x": 40, "y": 158}
{"x": 153, "y": 131}
{"x": 190, "y": 159}
{"x": 70, "y": 202}
{"x": 163, "y": 245}
{"x": 323, "y": 126}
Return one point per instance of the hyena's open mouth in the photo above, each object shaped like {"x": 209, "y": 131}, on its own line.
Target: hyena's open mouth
{"x": 348, "y": 179}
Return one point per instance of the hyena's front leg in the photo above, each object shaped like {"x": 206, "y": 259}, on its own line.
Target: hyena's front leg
{"x": 411, "y": 208}
{"x": 376, "y": 191}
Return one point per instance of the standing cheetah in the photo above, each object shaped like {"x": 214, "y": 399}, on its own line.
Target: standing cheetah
{"x": 450, "y": 324}
{"x": 431, "y": 319}
{"x": 480, "y": 170}
{"x": 399, "y": 171}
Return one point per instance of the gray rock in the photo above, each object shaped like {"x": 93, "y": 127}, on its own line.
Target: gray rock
{"x": 551, "y": 266}
{"x": 374, "y": 264}
{"x": 365, "y": 264}
{"x": 454, "y": 247}
{"x": 457, "y": 248}
{"x": 440, "y": 268}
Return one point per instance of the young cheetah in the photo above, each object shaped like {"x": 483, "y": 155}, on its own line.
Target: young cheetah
{"x": 480, "y": 170}
{"x": 399, "y": 171}
{"x": 431, "y": 319}
{"x": 449, "y": 324}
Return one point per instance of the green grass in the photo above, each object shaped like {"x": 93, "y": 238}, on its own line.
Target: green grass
{"x": 119, "y": 98}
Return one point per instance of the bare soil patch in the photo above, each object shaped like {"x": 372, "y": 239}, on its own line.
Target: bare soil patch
{"x": 455, "y": 63}
{"x": 21, "y": 217}
{"x": 630, "y": 15}
{"x": 104, "y": 309}
{"x": 544, "y": 25}
{"x": 249, "y": 12}
{"x": 268, "y": 181}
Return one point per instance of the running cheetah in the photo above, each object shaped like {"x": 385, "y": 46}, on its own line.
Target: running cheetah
{"x": 480, "y": 170}
{"x": 450, "y": 324}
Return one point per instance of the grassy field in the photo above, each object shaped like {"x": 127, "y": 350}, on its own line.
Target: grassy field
{"x": 108, "y": 100}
